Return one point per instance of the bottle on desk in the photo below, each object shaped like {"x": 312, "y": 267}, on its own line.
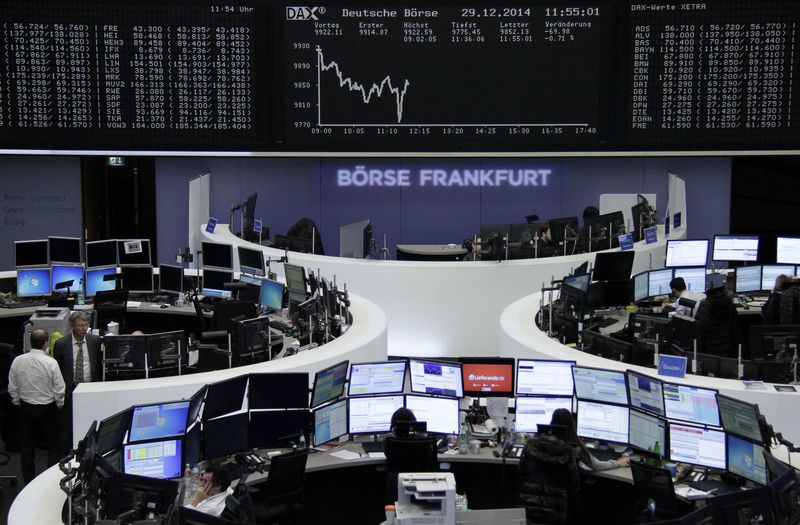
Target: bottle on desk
{"x": 464, "y": 437}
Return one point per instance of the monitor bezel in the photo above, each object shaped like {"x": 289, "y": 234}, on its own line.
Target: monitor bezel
{"x": 675, "y": 242}
{"x": 313, "y": 401}
{"x": 663, "y": 453}
{"x": 602, "y": 401}
{"x": 176, "y": 439}
{"x": 160, "y": 438}
{"x": 103, "y": 269}
{"x": 488, "y": 361}
{"x": 715, "y": 392}
{"x": 214, "y": 266}
{"x": 734, "y": 432}
{"x": 778, "y": 260}
{"x": 671, "y": 423}
{"x": 649, "y": 378}
{"x": 145, "y": 247}
{"x": 616, "y": 406}
{"x": 112, "y": 242}
{"x": 730, "y": 236}
{"x": 525, "y": 394}
{"x": 400, "y": 391}
{"x": 363, "y": 399}
{"x": 319, "y": 408}
{"x": 161, "y": 283}
{"x": 456, "y": 364}
{"x": 49, "y": 291}
{"x": 46, "y": 244}
{"x": 64, "y": 262}
{"x": 452, "y": 400}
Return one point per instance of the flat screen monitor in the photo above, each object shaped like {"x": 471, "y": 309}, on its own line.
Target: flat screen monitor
{"x": 252, "y": 290}
{"x": 659, "y": 282}
{"x": 612, "y": 266}
{"x": 531, "y": 412}
{"x": 735, "y": 248}
{"x": 770, "y": 341}
{"x": 748, "y": 279}
{"x": 154, "y": 496}
{"x": 436, "y": 377}
{"x": 696, "y": 446}
{"x": 788, "y": 250}
{"x": 33, "y": 282}
{"x": 214, "y": 283}
{"x": 159, "y": 420}
{"x": 602, "y": 422}
{"x": 216, "y": 255}
{"x": 691, "y": 252}
{"x": 544, "y": 378}
{"x": 740, "y": 418}
{"x": 278, "y": 428}
{"x": 134, "y": 251}
{"x": 195, "y": 404}
{"x": 648, "y": 433}
{"x": 441, "y": 413}
{"x": 31, "y": 253}
{"x": 111, "y": 432}
{"x": 225, "y": 436}
{"x": 295, "y": 277}
{"x": 562, "y": 228}
{"x": 101, "y": 253}
{"x": 62, "y": 273}
{"x": 691, "y": 404}
{"x": 641, "y": 286}
{"x": 770, "y": 272}
{"x": 251, "y": 261}
{"x": 329, "y": 384}
{"x": 372, "y": 415}
{"x": 597, "y": 384}
{"x": 354, "y": 239}
{"x": 695, "y": 278}
{"x": 192, "y": 446}
{"x": 224, "y": 397}
{"x": 278, "y": 390}
{"x": 137, "y": 278}
{"x": 330, "y": 422}
{"x": 578, "y": 282}
{"x": 646, "y": 393}
{"x": 746, "y": 459}
{"x": 385, "y": 377}
{"x": 271, "y": 294}
{"x": 95, "y": 282}
{"x": 488, "y": 376}
{"x": 170, "y": 278}
{"x": 65, "y": 250}
{"x": 153, "y": 459}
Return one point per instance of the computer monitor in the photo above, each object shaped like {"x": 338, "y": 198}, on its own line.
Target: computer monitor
{"x": 330, "y": 422}
{"x": 690, "y": 252}
{"x": 372, "y": 415}
{"x": 170, "y": 278}
{"x": 224, "y": 436}
{"x": 134, "y": 252}
{"x": 441, "y": 413}
{"x": 748, "y": 279}
{"x": 66, "y": 250}
{"x": 62, "y": 273}
{"x": 278, "y": 428}
{"x": 735, "y": 248}
{"x": 770, "y": 341}
{"x": 158, "y": 420}
{"x": 597, "y": 384}
{"x": 530, "y": 412}
{"x": 151, "y": 496}
{"x": 788, "y": 250}
{"x": 537, "y": 377}
{"x": 646, "y": 393}
{"x": 436, "y": 377}
{"x": 295, "y": 278}
{"x": 111, "y": 432}
{"x": 695, "y": 278}
{"x": 612, "y": 266}
{"x": 195, "y": 404}
{"x": 746, "y": 459}
{"x": 385, "y": 377}
{"x": 578, "y": 282}
{"x": 278, "y": 390}
{"x": 193, "y": 445}
{"x": 740, "y": 418}
{"x": 488, "y": 376}
{"x": 659, "y": 282}
{"x": 216, "y": 255}
{"x": 33, "y": 282}
{"x": 355, "y": 239}
{"x": 770, "y": 272}
{"x": 648, "y": 433}
{"x": 125, "y": 353}
{"x": 602, "y": 422}
{"x": 563, "y": 227}
{"x": 329, "y": 384}
{"x": 95, "y": 280}
{"x": 251, "y": 261}
{"x": 252, "y": 337}
{"x": 164, "y": 349}
{"x": 224, "y": 397}
{"x": 31, "y": 253}
{"x": 214, "y": 283}
{"x": 138, "y": 279}
{"x": 608, "y": 347}
{"x": 691, "y": 404}
{"x": 699, "y": 446}
{"x": 641, "y": 286}
{"x": 271, "y": 295}
{"x": 101, "y": 253}
{"x": 161, "y": 459}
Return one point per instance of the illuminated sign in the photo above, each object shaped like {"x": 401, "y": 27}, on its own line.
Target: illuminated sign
{"x": 361, "y": 176}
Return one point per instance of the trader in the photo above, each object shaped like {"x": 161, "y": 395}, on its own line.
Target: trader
{"x": 214, "y": 490}
{"x": 37, "y": 388}
{"x": 716, "y": 324}
{"x": 678, "y": 285}
{"x": 78, "y": 356}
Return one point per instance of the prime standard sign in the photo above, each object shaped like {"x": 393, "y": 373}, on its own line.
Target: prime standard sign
{"x": 361, "y": 176}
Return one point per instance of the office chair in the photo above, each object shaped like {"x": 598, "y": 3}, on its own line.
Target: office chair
{"x": 226, "y": 312}
{"x": 655, "y": 492}
{"x": 407, "y": 455}
{"x": 282, "y": 494}
{"x": 110, "y": 305}
{"x": 239, "y": 506}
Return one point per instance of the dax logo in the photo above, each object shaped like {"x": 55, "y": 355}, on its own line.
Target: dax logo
{"x": 304, "y": 13}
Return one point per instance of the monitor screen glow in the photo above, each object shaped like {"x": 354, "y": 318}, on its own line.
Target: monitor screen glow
{"x": 488, "y": 377}
{"x": 95, "y": 282}
{"x": 735, "y": 248}
{"x": 329, "y": 384}
{"x": 746, "y": 459}
{"x": 748, "y": 279}
{"x": 372, "y": 415}
{"x": 435, "y": 377}
{"x": 648, "y": 433}
{"x": 533, "y": 411}
{"x": 440, "y": 413}
{"x": 695, "y": 278}
{"x": 377, "y": 378}
{"x": 157, "y": 459}
{"x": 330, "y": 422}
{"x": 641, "y": 286}
{"x": 739, "y": 417}
{"x": 271, "y": 294}
{"x": 659, "y": 282}
{"x": 33, "y": 282}
{"x": 603, "y": 422}
{"x": 544, "y": 378}
{"x": 691, "y": 404}
{"x": 67, "y": 273}
{"x": 251, "y": 261}
{"x": 788, "y": 250}
{"x": 159, "y": 421}
{"x": 687, "y": 253}
{"x": 769, "y": 273}
{"x": 696, "y": 446}
{"x": 596, "y": 384}
{"x": 646, "y": 393}
{"x": 214, "y": 281}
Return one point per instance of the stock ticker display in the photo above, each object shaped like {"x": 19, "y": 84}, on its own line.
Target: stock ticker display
{"x": 434, "y": 76}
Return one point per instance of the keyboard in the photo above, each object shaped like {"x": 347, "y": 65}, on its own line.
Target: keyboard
{"x": 717, "y": 486}
{"x": 604, "y": 454}
{"x": 24, "y": 304}
{"x": 372, "y": 446}
{"x": 279, "y": 325}
{"x": 606, "y": 321}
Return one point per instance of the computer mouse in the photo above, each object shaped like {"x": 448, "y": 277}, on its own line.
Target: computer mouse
{"x": 164, "y": 306}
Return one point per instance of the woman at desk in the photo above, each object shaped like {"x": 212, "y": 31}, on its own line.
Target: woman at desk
{"x": 563, "y": 417}
{"x": 771, "y": 311}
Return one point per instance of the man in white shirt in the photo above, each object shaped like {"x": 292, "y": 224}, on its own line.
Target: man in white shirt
{"x": 214, "y": 489}
{"x": 37, "y": 388}
{"x": 679, "y": 290}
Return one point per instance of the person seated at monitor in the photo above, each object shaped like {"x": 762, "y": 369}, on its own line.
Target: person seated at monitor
{"x": 771, "y": 311}
{"x": 588, "y": 213}
{"x": 215, "y": 487}
{"x": 790, "y": 302}
{"x": 563, "y": 417}
{"x": 401, "y": 415}
{"x": 716, "y": 324}
{"x": 679, "y": 291}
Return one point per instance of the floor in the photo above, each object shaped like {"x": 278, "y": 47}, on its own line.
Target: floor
{"x": 12, "y": 468}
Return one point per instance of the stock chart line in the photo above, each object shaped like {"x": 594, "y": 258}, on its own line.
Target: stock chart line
{"x": 366, "y": 94}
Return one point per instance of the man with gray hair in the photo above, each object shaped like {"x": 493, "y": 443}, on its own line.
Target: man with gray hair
{"x": 37, "y": 388}
{"x": 79, "y": 358}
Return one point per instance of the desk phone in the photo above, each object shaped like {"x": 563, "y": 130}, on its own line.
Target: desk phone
{"x": 513, "y": 451}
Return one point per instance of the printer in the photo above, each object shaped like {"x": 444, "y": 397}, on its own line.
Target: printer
{"x": 426, "y": 498}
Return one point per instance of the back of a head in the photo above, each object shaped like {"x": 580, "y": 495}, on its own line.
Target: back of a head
{"x": 590, "y": 211}
{"x": 219, "y": 477}
{"x": 40, "y": 339}
{"x": 401, "y": 415}
{"x": 678, "y": 284}
{"x": 563, "y": 417}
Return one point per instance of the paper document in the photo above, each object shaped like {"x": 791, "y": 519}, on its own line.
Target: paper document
{"x": 346, "y": 455}
{"x": 377, "y": 455}
{"x": 689, "y": 492}
{"x": 133, "y": 304}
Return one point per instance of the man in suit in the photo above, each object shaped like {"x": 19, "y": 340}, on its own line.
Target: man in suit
{"x": 78, "y": 356}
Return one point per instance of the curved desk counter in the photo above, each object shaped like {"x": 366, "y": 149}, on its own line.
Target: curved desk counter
{"x": 521, "y": 338}
{"x": 443, "y": 309}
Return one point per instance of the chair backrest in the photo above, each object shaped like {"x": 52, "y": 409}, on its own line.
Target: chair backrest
{"x": 239, "y": 506}
{"x": 286, "y": 474}
{"x": 225, "y": 311}
{"x": 655, "y": 483}
{"x": 411, "y": 455}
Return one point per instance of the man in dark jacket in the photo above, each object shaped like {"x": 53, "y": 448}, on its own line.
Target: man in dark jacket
{"x": 716, "y": 324}
{"x": 549, "y": 484}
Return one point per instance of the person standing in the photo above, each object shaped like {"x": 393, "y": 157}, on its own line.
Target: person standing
{"x": 37, "y": 388}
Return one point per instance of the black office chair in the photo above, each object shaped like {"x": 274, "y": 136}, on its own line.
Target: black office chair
{"x": 239, "y": 506}
{"x": 282, "y": 494}
{"x": 407, "y": 455}
{"x": 110, "y": 305}
{"x": 655, "y": 493}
